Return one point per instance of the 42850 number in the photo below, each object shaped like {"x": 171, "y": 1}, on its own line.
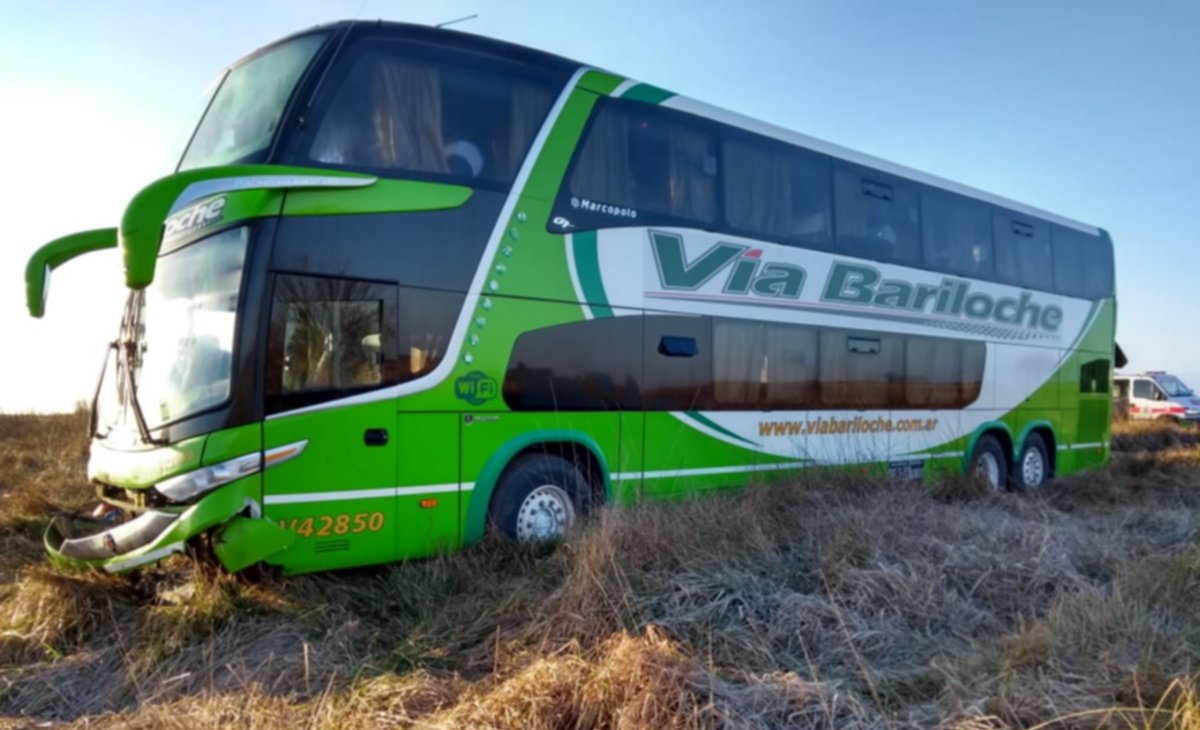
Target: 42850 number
{"x": 327, "y": 525}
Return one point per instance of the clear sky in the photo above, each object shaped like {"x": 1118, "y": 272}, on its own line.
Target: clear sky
{"x": 1088, "y": 108}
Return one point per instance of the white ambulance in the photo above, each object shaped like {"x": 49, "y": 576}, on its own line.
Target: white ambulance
{"x": 1155, "y": 395}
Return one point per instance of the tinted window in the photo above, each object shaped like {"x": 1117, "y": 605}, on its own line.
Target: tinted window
{"x": 1143, "y": 389}
{"x": 942, "y": 373}
{"x": 397, "y": 110}
{"x": 581, "y": 366}
{"x": 777, "y": 191}
{"x": 1094, "y": 376}
{"x": 718, "y": 364}
{"x": 639, "y": 162}
{"x": 674, "y": 382}
{"x": 329, "y": 337}
{"x": 861, "y": 369}
{"x": 1023, "y": 255}
{"x": 426, "y": 322}
{"x": 957, "y": 233}
{"x": 878, "y": 216}
{"x": 1082, "y": 264}
{"x": 763, "y": 365}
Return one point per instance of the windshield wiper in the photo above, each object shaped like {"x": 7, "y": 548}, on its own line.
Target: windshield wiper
{"x": 94, "y": 421}
{"x": 127, "y": 347}
{"x": 124, "y": 345}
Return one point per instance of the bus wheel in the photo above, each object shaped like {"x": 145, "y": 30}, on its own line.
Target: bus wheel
{"x": 538, "y": 498}
{"x": 989, "y": 462}
{"x": 1033, "y": 468}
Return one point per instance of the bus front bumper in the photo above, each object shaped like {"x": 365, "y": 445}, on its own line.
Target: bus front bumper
{"x": 240, "y": 536}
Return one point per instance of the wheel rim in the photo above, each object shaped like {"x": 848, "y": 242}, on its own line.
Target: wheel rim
{"x": 546, "y": 514}
{"x": 988, "y": 467}
{"x": 1033, "y": 469}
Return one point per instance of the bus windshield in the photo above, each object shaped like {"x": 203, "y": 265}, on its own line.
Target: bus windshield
{"x": 186, "y": 328}
{"x": 244, "y": 113}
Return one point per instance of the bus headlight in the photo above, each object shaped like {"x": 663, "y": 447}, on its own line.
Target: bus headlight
{"x": 194, "y": 483}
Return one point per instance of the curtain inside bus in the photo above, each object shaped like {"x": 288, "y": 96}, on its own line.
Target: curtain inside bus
{"x": 392, "y": 112}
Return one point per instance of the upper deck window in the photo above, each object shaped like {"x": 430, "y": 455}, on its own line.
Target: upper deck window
{"x": 878, "y": 215}
{"x": 957, "y": 234}
{"x": 1023, "y": 255}
{"x": 1082, "y": 264}
{"x": 777, "y": 190}
{"x": 241, "y": 120}
{"x": 397, "y": 109}
{"x": 638, "y": 161}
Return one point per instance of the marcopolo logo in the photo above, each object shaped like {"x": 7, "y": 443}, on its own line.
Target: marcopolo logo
{"x": 193, "y": 218}
{"x": 742, "y": 266}
{"x": 476, "y": 388}
{"x": 857, "y": 284}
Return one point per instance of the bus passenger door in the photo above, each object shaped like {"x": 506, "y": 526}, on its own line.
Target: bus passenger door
{"x": 338, "y": 492}
{"x": 331, "y": 425}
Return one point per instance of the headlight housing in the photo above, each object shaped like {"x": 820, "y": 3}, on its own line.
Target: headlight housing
{"x": 187, "y": 486}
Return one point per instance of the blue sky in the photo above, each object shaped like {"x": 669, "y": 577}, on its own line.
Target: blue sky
{"x": 1089, "y": 109}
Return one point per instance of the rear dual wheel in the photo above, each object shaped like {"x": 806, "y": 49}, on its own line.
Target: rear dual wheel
{"x": 989, "y": 462}
{"x": 1033, "y": 468}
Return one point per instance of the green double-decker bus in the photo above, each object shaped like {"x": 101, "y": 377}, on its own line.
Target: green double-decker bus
{"x": 408, "y": 283}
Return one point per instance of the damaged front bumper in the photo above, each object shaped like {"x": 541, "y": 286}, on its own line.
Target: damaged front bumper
{"x": 240, "y": 536}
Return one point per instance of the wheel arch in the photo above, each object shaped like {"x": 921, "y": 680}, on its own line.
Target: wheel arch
{"x": 574, "y": 446}
{"x": 996, "y": 429}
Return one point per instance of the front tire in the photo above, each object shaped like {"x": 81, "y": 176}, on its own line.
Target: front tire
{"x": 989, "y": 463}
{"x": 1033, "y": 468}
{"x": 539, "y": 498}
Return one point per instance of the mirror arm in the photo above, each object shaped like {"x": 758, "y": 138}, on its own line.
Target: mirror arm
{"x": 55, "y": 254}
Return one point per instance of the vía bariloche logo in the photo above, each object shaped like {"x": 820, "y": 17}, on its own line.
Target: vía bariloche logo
{"x": 743, "y": 271}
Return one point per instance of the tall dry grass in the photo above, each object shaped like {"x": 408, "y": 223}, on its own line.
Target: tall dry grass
{"x": 830, "y": 602}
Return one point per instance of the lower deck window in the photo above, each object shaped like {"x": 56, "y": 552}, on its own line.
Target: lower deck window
{"x": 329, "y": 337}
{"x": 737, "y": 365}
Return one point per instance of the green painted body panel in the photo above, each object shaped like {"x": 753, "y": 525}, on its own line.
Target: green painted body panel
{"x": 385, "y": 196}
{"x": 245, "y": 541}
{"x": 353, "y": 477}
{"x": 599, "y": 82}
{"x": 231, "y": 443}
{"x": 141, "y": 226}
{"x": 427, "y": 456}
{"x": 143, "y": 468}
{"x": 648, "y": 93}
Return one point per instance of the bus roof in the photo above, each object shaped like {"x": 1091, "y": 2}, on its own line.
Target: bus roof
{"x": 523, "y": 54}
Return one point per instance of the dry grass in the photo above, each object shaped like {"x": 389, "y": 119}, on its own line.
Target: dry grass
{"x": 832, "y": 602}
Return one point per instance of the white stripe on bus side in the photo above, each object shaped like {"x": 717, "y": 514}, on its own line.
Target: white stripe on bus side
{"x": 352, "y": 494}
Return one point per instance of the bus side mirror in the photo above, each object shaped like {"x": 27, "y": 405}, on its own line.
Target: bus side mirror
{"x": 55, "y": 254}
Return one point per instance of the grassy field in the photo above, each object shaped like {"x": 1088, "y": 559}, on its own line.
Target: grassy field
{"x": 833, "y": 602}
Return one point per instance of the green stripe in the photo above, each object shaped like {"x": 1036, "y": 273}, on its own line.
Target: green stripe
{"x": 647, "y": 93}
{"x": 702, "y": 419}
{"x": 587, "y": 268}
{"x": 600, "y": 82}
{"x": 385, "y": 196}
